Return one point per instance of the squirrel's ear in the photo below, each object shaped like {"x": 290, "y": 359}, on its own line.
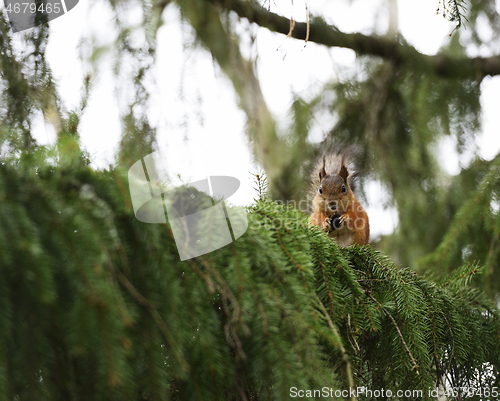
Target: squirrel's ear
{"x": 322, "y": 172}
{"x": 344, "y": 173}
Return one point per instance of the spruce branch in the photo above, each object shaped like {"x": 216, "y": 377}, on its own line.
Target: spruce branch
{"x": 345, "y": 356}
{"x": 261, "y": 185}
{"x": 167, "y": 335}
{"x": 471, "y": 210}
{"x": 239, "y": 316}
{"x": 414, "y": 363}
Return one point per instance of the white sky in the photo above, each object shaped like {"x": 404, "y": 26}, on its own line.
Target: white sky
{"x": 212, "y": 122}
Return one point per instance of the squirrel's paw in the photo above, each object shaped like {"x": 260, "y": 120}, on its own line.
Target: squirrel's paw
{"x": 326, "y": 225}
{"x": 332, "y": 223}
{"x": 346, "y": 221}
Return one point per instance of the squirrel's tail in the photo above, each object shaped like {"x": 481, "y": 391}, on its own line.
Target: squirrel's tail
{"x": 332, "y": 163}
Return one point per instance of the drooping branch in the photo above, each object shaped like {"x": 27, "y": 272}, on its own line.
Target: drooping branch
{"x": 270, "y": 150}
{"x": 387, "y": 48}
{"x": 28, "y": 88}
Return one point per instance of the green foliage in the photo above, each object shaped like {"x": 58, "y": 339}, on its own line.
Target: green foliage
{"x": 396, "y": 113}
{"x": 473, "y": 234}
{"x": 97, "y": 305}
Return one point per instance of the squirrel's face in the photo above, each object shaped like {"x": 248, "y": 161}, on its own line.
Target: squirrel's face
{"x": 334, "y": 195}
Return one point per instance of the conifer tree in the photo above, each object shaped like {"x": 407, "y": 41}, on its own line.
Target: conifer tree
{"x": 96, "y": 305}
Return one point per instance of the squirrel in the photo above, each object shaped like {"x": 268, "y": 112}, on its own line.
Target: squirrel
{"x": 336, "y": 209}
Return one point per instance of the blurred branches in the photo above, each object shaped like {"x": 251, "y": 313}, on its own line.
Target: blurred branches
{"x": 395, "y": 112}
{"x": 387, "y": 48}
{"x": 28, "y": 85}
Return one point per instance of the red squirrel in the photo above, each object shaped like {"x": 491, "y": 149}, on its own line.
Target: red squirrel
{"x": 336, "y": 209}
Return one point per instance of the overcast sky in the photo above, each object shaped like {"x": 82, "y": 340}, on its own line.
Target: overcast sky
{"x": 202, "y": 132}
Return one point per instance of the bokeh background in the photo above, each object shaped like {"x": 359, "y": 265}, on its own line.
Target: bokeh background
{"x": 425, "y": 138}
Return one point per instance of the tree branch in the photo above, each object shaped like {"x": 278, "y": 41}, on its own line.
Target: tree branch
{"x": 387, "y": 48}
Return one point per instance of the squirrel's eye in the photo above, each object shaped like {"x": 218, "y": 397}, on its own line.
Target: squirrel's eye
{"x": 343, "y": 188}
{"x": 320, "y": 190}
